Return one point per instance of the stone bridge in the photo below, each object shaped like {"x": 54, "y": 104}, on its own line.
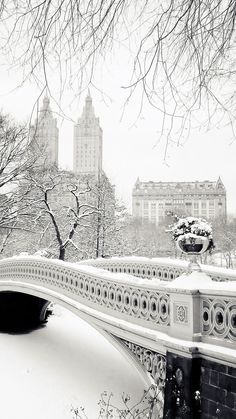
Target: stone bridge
{"x": 177, "y": 327}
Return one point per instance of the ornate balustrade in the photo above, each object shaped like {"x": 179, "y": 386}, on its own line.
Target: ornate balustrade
{"x": 169, "y": 325}
{"x": 218, "y": 312}
{"x": 124, "y": 296}
{"x": 163, "y": 268}
{"x": 199, "y": 310}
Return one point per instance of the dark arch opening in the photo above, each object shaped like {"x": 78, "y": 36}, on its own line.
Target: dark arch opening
{"x": 21, "y": 313}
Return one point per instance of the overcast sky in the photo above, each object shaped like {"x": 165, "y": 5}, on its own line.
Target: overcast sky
{"x": 132, "y": 146}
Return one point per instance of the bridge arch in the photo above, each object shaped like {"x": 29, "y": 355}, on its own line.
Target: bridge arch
{"x": 159, "y": 319}
{"x": 57, "y": 298}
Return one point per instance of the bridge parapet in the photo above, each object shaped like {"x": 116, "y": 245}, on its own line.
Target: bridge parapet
{"x": 122, "y": 295}
{"x": 165, "y": 269}
{"x": 162, "y": 268}
{"x": 218, "y": 313}
{"x": 194, "y": 310}
{"x": 176, "y": 326}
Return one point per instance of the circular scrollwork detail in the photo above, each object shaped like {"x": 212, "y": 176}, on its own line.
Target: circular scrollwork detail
{"x": 144, "y": 305}
{"x": 219, "y": 319}
{"x": 119, "y": 298}
{"x": 232, "y": 324}
{"x": 206, "y": 316}
{"x": 98, "y": 292}
{"x": 233, "y": 319}
{"x": 153, "y": 303}
{"x": 164, "y": 312}
{"x": 112, "y": 296}
{"x": 127, "y": 300}
{"x": 135, "y": 303}
{"x": 104, "y": 293}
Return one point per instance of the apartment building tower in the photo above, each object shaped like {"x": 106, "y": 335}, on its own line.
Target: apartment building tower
{"x": 87, "y": 150}
{"x": 44, "y": 136}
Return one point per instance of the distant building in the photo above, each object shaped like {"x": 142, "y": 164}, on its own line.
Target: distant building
{"x": 154, "y": 200}
{"x": 44, "y": 136}
{"x": 87, "y": 153}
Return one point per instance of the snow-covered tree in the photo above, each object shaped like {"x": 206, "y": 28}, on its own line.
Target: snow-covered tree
{"x": 66, "y": 216}
{"x": 225, "y": 240}
{"x": 108, "y": 221}
{"x": 15, "y": 161}
{"x": 143, "y": 238}
{"x": 61, "y": 205}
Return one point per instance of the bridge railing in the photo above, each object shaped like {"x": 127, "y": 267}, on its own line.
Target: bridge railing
{"x": 161, "y": 268}
{"x": 134, "y": 299}
{"x": 196, "y": 314}
{"x": 165, "y": 269}
{"x": 192, "y": 307}
{"x": 218, "y": 315}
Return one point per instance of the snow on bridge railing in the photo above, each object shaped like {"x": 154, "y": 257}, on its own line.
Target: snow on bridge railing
{"x": 165, "y": 269}
{"x": 218, "y": 314}
{"x": 121, "y": 295}
{"x": 191, "y": 307}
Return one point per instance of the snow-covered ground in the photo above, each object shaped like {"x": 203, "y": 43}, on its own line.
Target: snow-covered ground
{"x": 67, "y": 363}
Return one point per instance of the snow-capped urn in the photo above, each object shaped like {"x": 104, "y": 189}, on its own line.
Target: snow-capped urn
{"x": 192, "y": 235}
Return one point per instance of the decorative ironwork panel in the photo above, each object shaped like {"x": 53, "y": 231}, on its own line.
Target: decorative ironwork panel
{"x": 155, "y": 365}
{"x": 151, "y": 305}
{"x": 219, "y": 318}
{"x": 164, "y": 270}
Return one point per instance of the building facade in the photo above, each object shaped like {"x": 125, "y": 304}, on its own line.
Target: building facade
{"x": 44, "y": 136}
{"x": 152, "y": 201}
{"x": 87, "y": 150}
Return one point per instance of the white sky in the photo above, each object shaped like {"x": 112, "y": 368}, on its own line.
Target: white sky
{"x": 131, "y": 146}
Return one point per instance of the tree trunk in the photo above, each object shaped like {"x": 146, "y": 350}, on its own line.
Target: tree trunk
{"x": 62, "y": 253}
{"x": 98, "y": 235}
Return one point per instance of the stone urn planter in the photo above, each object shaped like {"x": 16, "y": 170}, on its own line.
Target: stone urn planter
{"x": 192, "y": 244}
{"x": 193, "y": 236}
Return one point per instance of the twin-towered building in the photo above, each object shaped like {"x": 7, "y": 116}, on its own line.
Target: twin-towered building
{"x": 152, "y": 201}
{"x": 87, "y": 147}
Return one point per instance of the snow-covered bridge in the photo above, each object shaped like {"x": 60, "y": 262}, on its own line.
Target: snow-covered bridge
{"x": 166, "y": 322}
